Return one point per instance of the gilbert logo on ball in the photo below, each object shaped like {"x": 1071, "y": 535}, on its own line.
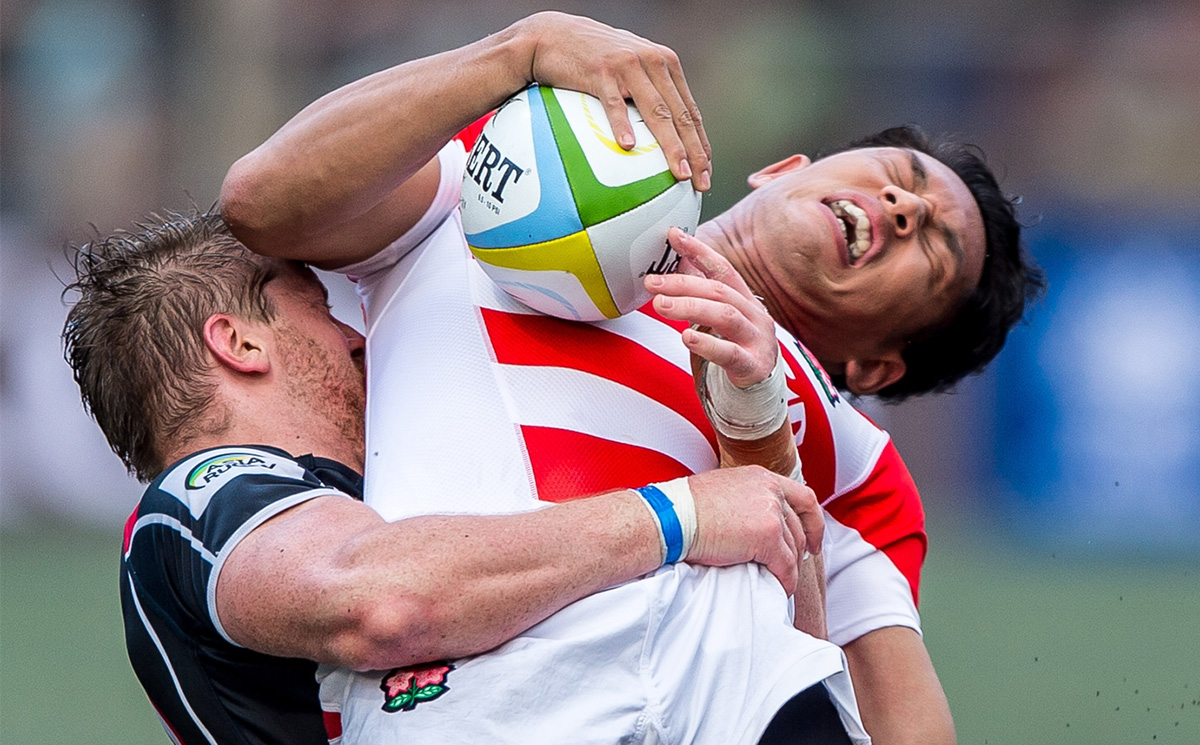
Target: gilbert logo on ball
{"x": 563, "y": 218}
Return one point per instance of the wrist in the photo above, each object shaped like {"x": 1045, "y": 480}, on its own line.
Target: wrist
{"x": 749, "y": 413}
{"x": 673, "y": 509}
{"x": 494, "y": 68}
{"x": 775, "y": 452}
{"x": 517, "y": 46}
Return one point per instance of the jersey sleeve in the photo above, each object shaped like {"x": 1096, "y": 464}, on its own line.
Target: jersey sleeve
{"x": 204, "y": 687}
{"x": 875, "y": 523}
{"x": 188, "y": 523}
{"x": 876, "y": 546}
{"x": 452, "y": 159}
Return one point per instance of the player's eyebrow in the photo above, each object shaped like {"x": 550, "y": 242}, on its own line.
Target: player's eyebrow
{"x": 921, "y": 183}
{"x": 920, "y": 177}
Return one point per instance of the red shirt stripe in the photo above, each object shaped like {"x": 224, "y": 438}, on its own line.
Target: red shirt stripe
{"x": 887, "y": 512}
{"x": 554, "y": 458}
{"x": 471, "y": 133}
{"x": 544, "y": 341}
{"x": 333, "y": 723}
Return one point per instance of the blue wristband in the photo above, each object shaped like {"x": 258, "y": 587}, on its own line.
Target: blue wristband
{"x": 668, "y": 521}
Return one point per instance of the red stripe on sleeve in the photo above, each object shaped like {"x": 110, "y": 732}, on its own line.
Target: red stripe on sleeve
{"x": 172, "y": 733}
{"x": 129, "y": 528}
{"x": 468, "y": 136}
{"x": 545, "y": 341}
{"x": 568, "y": 465}
{"x": 333, "y": 723}
{"x": 886, "y": 510}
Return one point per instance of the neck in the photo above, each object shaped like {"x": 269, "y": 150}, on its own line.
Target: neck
{"x": 296, "y": 446}
{"x": 278, "y": 427}
{"x": 731, "y": 234}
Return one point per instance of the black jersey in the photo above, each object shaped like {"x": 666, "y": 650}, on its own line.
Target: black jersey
{"x": 206, "y": 688}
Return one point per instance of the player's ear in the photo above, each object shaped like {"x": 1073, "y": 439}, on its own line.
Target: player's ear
{"x": 236, "y": 344}
{"x": 864, "y": 377}
{"x": 777, "y": 169}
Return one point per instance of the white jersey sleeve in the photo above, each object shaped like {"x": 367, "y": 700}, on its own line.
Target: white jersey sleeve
{"x": 370, "y": 273}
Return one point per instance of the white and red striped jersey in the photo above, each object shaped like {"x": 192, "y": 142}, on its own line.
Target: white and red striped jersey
{"x": 478, "y": 405}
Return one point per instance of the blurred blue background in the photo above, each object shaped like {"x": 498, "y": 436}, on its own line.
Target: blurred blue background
{"x": 1098, "y": 403}
{"x": 1063, "y": 486}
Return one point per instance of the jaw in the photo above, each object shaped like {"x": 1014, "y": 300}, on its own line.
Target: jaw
{"x": 807, "y": 292}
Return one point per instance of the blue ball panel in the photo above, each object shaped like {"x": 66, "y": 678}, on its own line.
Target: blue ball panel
{"x": 556, "y": 215}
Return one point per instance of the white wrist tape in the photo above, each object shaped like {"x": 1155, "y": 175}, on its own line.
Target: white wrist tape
{"x": 744, "y": 413}
{"x": 673, "y": 508}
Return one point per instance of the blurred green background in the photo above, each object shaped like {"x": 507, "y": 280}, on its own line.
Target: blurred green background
{"x": 1031, "y": 648}
{"x": 1061, "y": 598}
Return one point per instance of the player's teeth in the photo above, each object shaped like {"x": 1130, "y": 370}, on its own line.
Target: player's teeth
{"x": 846, "y": 210}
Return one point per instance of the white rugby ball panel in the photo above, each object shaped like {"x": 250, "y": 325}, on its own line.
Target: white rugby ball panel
{"x": 611, "y": 164}
{"x": 561, "y": 217}
{"x": 636, "y": 243}
{"x": 515, "y": 193}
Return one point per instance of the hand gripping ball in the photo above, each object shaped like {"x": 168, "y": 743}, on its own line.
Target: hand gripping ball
{"x": 561, "y": 216}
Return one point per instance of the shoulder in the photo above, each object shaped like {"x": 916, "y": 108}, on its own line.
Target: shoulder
{"x": 209, "y": 496}
{"x": 196, "y": 479}
{"x": 442, "y": 178}
{"x": 839, "y": 446}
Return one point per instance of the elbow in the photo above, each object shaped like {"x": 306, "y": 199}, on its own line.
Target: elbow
{"x": 247, "y": 207}
{"x": 387, "y": 633}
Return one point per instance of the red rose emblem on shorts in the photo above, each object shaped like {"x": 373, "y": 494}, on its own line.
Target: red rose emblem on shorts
{"x": 405, "y": 687}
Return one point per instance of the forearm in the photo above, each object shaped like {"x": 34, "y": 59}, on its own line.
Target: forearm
{"x": 475, "y": 582}
{"x": 899, "y": 694}
{"x": 777, "y": 452}
{"x": 331, "y": 581}
{"x": 344, "y": 177}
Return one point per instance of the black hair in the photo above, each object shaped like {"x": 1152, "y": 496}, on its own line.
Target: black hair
{"x": 939, "y": 357}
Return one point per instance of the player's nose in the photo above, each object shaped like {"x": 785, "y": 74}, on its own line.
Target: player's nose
{"x": 904, "y": 210}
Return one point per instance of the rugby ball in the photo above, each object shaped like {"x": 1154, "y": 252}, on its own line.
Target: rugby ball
{"x": 561, "y": 216}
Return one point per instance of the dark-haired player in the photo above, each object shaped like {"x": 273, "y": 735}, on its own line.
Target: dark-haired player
{"x": 898, "y": 266}
{"x": 222, "y": 378}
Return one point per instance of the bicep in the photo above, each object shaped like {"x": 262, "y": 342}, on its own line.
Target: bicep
{"x": 898, "y": 691}
{"x": 275, "y": 592}
{"x": 290, "y": 233}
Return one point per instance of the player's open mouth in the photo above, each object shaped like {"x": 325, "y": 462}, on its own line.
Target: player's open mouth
{"x": 856, "y": 227}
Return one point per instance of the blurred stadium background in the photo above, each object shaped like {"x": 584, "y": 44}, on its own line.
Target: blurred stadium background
{"x": 1062, "y": 592}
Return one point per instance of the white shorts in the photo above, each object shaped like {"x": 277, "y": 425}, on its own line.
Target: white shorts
{"x": 687, "y": 655}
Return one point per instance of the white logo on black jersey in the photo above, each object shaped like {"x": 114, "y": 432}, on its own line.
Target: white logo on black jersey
{"x": 195, "y": 480}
